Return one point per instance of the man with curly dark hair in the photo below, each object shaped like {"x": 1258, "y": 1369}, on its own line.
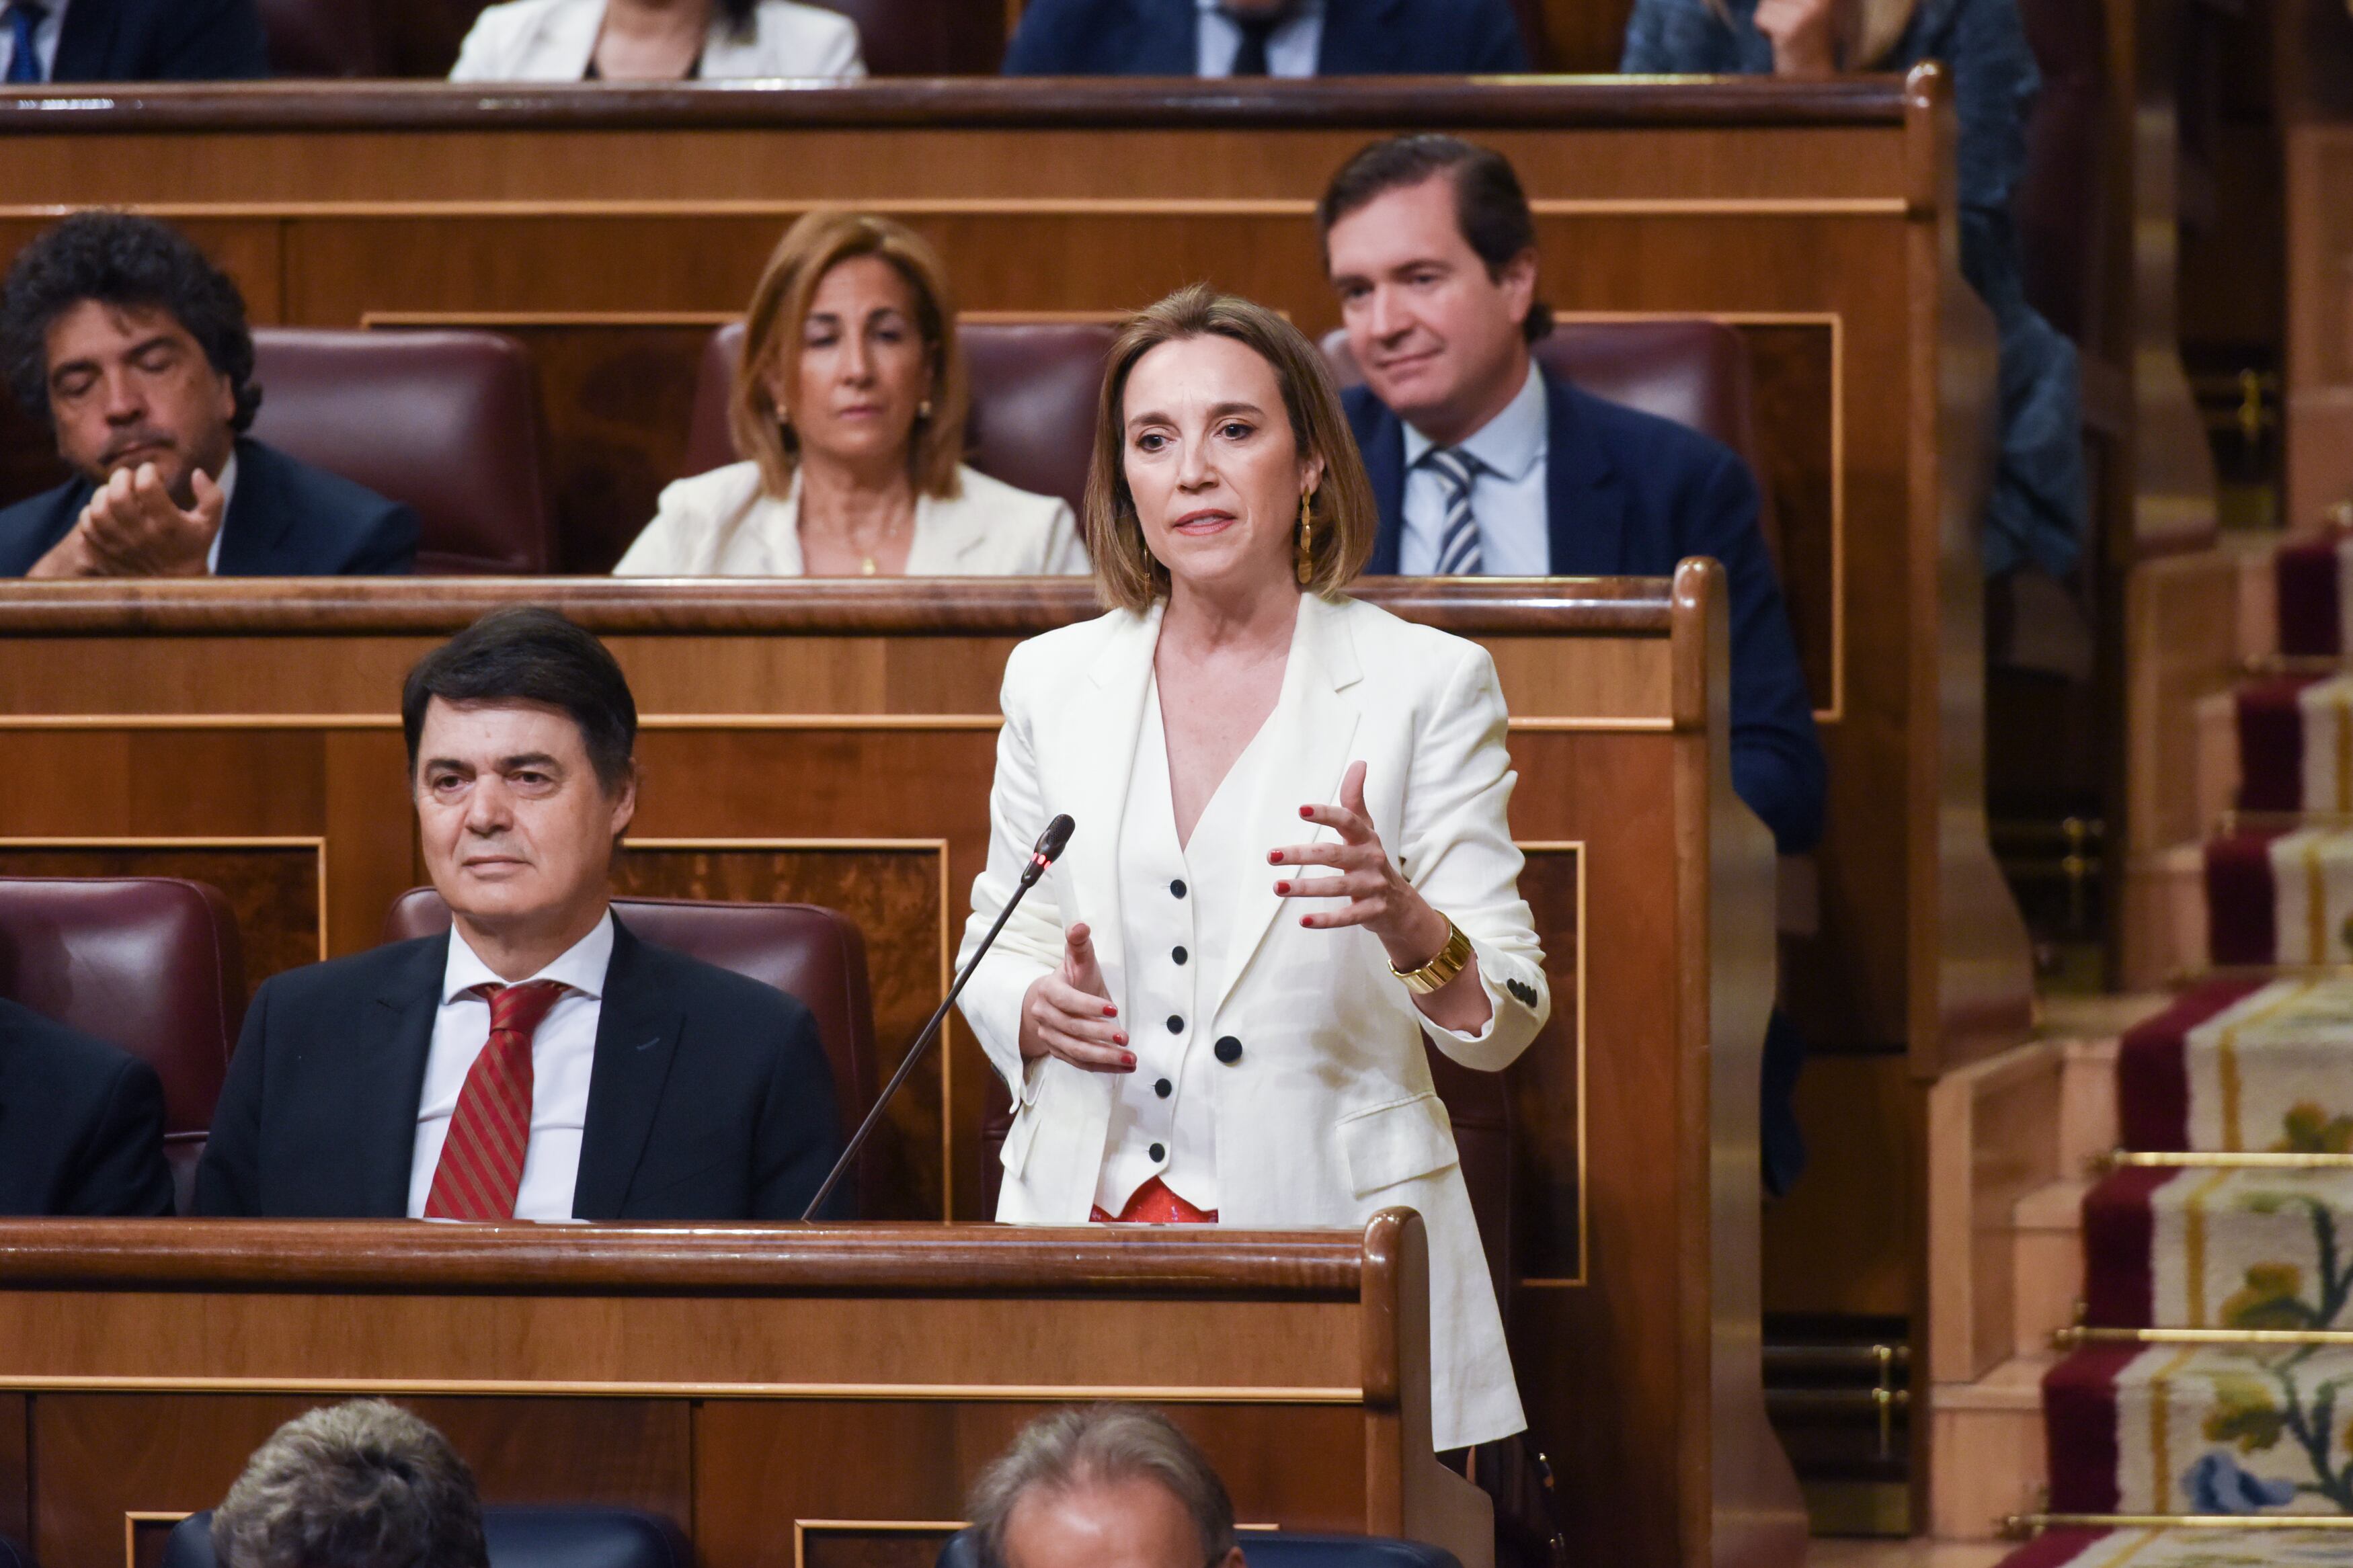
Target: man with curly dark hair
{"x": 118, "y": 334}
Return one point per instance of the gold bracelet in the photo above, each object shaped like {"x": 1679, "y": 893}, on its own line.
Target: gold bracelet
{"x": 1440, "y": 971}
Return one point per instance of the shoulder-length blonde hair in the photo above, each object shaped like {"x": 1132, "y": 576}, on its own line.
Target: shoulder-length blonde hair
{"x": 812, "y": 248}
{"x": 1342, "y": 519}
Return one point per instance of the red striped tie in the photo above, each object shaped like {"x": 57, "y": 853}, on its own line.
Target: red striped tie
{"x": 481, "y": 1159}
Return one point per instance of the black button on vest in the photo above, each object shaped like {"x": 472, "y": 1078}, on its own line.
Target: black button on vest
{"x": 1176, "y": 888}
{"x": 1158, "y": 1152}
{"x": 1179, "y": 955}
{"x": 1164, "y": 1088}
{"x": 1228, "y": 1049}
{"x": 1175, "y": 1024}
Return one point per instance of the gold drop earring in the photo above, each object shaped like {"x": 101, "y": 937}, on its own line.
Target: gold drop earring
{"x": 1302, "y": 563}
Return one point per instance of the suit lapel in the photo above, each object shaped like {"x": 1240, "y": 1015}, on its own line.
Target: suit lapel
{"x": 637, "y": 1036}
{"x": 84, "y": 42}
{"x": 258, "y": 518}
{"x": 1384, "y": 451}
{"x": 1167, "y": 39}
{"x": 384, "y": 1083}
{"x": 1361, "y": 39}
{"x": 1107, "y": 717}
{"x": 1311, "y": 728}
{"x": 1585, "y": 503}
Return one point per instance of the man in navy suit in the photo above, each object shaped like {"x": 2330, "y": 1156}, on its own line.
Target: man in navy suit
{"x": 1266, "y": 38}
{"x": 134, "y": 348}
{"x": 1482, "y": 462}
{"x": 131, "y": 40}
{"x": 538, "y": 1061}
{"x": 81, "y": 1123}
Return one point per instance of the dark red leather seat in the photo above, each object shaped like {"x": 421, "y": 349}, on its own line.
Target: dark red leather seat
{"x": 926, "y": 37}
{"x": 1034, "y": 385}
{"x": 149, "y": 963}
{"x": 446, "y": 420}
{"x": 815, "y": 954}
{"x": 1684, "y": 368}
{"x": 325, "y": 39}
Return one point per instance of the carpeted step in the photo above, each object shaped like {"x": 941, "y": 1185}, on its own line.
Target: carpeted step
{"x": 2310, "y": 573}
{"x": 2241, "y": 1063}
{"x": 2280, "y": 896}
{"x": 2206, "y": 1248}
{"x": 2185, "y": 1547}
{"x": 2203, "y": 1429}
{"x": 2296, "y": 744}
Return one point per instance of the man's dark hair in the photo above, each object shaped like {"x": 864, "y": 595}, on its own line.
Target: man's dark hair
{"x": 528, "y": 653}
{"x": 1490, "y": 209}
{"x": 132, "y": 263}
{"x": 740, "y": 15}
{"x": 361, "y": 1485}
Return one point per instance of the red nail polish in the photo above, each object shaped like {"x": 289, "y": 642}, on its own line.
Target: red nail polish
{"x": 1306, "y": 810}
{"x": 1274, "y": 856}
{"x": 1119, "y": 1040}
{"x": 1281, "y": 888}
{"x": 1111, "y": 1012}
{"x": 1129, "y": 1059}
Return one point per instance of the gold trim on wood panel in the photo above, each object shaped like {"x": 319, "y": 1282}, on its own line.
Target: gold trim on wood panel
{"x": 317, "y": 845}
{"x": 134, "y": 1519}
{"x": 2029, "y": 1523}
{"x": 959, "y": 206}
{"x": 1538, "y": 724}
{"x": 1004, "y": 1392}
{"x": 801, "y": 1527}
{"x": 2207, "y": 1159}
{"x": 938, "y": 846}
{"x": 1836, "y": 321}
{"x": 1584, "y": 1190}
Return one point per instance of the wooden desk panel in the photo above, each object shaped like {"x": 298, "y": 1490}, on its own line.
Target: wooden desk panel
{"x": 609, "y": 226}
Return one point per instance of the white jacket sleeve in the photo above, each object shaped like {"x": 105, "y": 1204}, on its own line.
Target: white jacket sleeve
{"x": 480, "y": 57}
{"x": 1456, "y": 849}
{"x": 1031, "y": 943}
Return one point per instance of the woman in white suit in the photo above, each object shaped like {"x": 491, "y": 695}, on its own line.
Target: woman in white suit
{"x": 656, "y": 41}
{"x": 1292, "y": 862}
{"x": 849, "y": 409}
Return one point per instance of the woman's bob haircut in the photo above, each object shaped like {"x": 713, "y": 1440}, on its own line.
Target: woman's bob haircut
{"x": 818, "y": 243}
{"x": 1342, "y": 517}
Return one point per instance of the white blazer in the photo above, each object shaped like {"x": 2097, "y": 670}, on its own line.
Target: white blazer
{"x": 1327, "y": 1113}
{"x": 553, "y": 40}
{"x": 720, "y": 524}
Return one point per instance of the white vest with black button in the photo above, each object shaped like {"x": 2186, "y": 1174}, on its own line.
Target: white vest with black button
{"x": 1323, "y": 1111}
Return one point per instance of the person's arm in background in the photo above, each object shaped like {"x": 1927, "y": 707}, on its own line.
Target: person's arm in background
{"x": 1778, "y": 768}
{"x": 1686, "y": 37}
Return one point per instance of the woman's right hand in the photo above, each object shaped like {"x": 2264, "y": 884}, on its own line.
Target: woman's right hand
{"x": 1803, "y": 35}
{"x": 1068, "y": 1013}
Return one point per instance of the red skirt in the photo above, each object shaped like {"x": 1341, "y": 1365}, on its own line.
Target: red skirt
{"x": 1154, "y": 1203}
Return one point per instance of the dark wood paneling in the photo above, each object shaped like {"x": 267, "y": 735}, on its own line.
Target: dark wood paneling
{"x": 106, "y": 1456}
{"x": 1546, "y": 1085}
{"x": 1796, "y": 410}
{"x": 896, "y": 896}
{"x": 15, "y": 1468}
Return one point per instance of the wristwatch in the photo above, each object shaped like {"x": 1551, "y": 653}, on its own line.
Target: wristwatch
{"x": 1434, "y": 975}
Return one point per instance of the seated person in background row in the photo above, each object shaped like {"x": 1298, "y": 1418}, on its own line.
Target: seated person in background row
{"x": 402, "y": 1081}
{"x": 131, "y": 40}
{"x": 1265, "y": 37}
{"x": 2038, "y": 510}
{"x": 850, "y": 410}
{"x": 133, "y": 348}
{"x": 1103, "y": 1485}
{"x": 1482, "y": 462}
{"x": 656, "y": 41}
{"x": 81, "y": 1123}
{"x": 358, "y": 1484}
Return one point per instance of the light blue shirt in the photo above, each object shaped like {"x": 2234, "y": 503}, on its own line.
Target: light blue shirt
{"x": 1508, "y": 494}
{"x": 46, "y": 33}
{"x": 1292, "y": 49}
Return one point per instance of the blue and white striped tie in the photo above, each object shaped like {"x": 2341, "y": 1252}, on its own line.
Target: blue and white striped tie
{"x": 1458, "y": 541}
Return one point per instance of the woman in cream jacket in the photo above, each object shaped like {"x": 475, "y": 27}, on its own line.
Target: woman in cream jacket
{"x": 575, "y": 41}
{"x": 850, "y": 408}
{"x": 1292, "y": 861}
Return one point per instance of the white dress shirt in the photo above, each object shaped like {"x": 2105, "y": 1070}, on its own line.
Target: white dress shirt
{"x": 1508, "y": 494}
{"x": 1292, "y": 49}
{"x": 721, "y": 525}
{"x": 46, "y": 33}
{"x": 1163, "y": 1114}
{"x": 562, "y": 1053}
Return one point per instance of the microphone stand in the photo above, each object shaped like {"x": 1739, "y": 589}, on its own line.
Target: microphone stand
{"x": 1048, "y": 849}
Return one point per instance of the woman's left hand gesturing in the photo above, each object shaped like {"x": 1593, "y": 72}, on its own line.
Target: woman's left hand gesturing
{"x": 1379, "y": 898}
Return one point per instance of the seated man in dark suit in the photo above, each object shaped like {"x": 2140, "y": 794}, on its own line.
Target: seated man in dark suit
{"x": 81, "y": 1123}
{"x": 118, "y": 334}
{"x": 1482, "y": 462}
{"x": 1265, "y": 37}
{"x": 131, "y": 40}
{"x": 538, "y": 1062}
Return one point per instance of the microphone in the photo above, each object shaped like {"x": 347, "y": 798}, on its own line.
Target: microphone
{"x": 1048, "y": 849}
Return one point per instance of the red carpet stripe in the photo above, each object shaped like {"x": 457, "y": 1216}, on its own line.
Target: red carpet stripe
{"x": 2119, "y": 1290}
{"x": 2271, "y": 744}
{"x": 2078, "y": 1420}
{"x": 2054, "y": 1548}
{"x": 2311, "y": 621}
{"x": 2152, "y": 1079}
